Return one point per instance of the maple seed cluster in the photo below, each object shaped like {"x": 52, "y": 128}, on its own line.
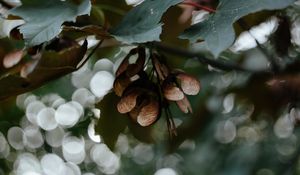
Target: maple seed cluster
{"x": 176, "y": 84}
{"x": 142, "y": 96}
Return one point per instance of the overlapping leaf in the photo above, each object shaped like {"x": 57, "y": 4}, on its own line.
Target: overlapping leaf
{"x": 217, "y": 30}
{"x": 141, "y": 24}
{"x": 44, "y": 19}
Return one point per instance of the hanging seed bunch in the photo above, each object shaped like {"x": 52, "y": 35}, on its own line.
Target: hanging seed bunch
{"x": 144, "y": 94}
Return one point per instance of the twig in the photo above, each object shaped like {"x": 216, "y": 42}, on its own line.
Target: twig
{"x": 218, "y": 63}
{"x": 91, "y": 53}
{"x": 199, "y": 6}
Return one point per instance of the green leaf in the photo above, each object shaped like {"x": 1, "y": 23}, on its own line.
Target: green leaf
{"x": 141, "y": 133}
{"x": 217, "y": 30}
{"x": 111, "y": 122}
{"x": 44, "y": 19}
{"x": 141, "y": 24}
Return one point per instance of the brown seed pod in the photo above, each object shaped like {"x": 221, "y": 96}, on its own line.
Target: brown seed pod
{"x": 189, "y": 84}
{"x": 128, "y": 102}
{"x": 121, "y": 83}
{"x": 184, "y": 105}
{"x": 13, "y": 58}
{"x": 133, "y": 69}
{"x": 149, "y": 113}
{"x": 161, "y": 69}
{"x": 124, "y": 66}
{"x": 172, "y": 92}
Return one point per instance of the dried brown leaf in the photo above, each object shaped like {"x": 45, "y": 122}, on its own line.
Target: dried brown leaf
{"x": 50, "y": 66}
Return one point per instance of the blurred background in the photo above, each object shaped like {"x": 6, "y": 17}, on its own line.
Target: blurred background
{"x": 244, "y": 122}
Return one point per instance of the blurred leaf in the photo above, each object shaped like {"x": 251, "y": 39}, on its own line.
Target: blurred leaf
{"x": 268, "y": 93}
{"x": 111, "y": 122}
{"x": 50, "y": 66}
{"x": 143, "y": 134}
{"x": 44, "y": 20}
{"x": 217, "y": 30}
{"x": 141, "y": 24}
{"x": 98, "y": 15}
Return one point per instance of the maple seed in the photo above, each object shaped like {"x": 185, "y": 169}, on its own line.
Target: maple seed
{"x": 148, "y": 114}
{"x": 121, "y": 83}
{"x": 184, "y": 105}
{"x": 127, "y": 103}
{"x": 172, "y": 93}
{"x": 189, "y": 84}
{"x": 13, "y": 58}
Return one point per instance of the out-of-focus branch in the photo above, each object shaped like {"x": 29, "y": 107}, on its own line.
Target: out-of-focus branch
{"x": 198, "y": 6}
{"x": 217, "y": 63}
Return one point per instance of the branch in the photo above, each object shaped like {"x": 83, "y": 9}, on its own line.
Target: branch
{"x": 198, "y": 6}
{"x": 89, "y": 56}
{"x": 217, "y": 63}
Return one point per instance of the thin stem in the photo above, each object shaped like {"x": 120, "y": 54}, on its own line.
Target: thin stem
{"x": 199, "y": 6}
{"x": 170, "y": 122}
{"x": 91, "y": 53}
{"x": 217, "y": 63}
